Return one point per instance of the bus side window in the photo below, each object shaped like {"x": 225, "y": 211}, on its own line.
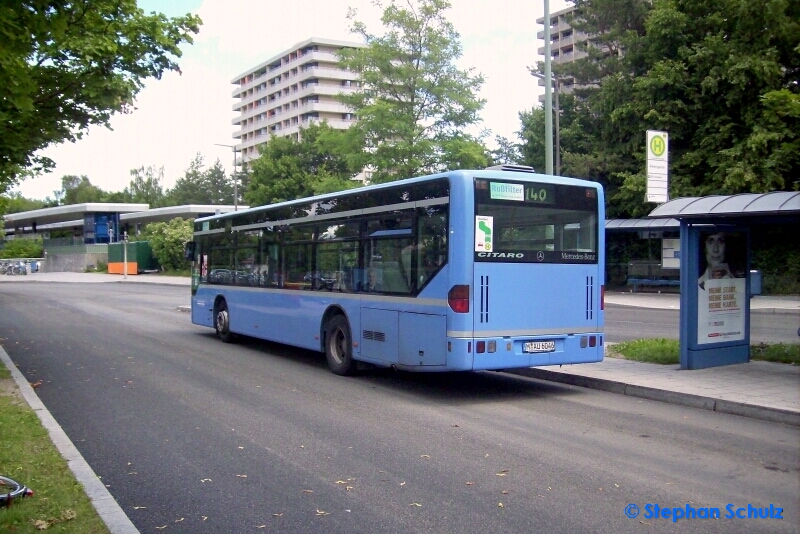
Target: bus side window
{"x": 432, "y": 253}
{"x": 386, "y": 261}
{"x": 270, "y": 270}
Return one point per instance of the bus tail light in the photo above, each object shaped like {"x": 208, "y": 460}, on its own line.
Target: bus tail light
{"x": 458, "y": 299}
{"x": 480, "y": 347}
{"x": 603, "y": 297}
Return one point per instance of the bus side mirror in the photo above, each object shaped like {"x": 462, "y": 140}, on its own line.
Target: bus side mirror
{"x": 188, "y": 251}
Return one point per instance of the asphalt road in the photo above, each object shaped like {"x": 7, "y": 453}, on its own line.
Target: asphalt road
{"x": 196, "y": 436}
{"x": 626, "y": 323}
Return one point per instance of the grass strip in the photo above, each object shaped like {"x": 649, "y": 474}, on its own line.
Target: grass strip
{"x": 667, "y": 351}
{"x": 27, "y": 455}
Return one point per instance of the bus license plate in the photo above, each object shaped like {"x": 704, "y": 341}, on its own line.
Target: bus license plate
{"x": 539, "y": 346}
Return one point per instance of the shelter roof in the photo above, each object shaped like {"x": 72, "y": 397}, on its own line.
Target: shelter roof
{"x": 642, "y": 224}
{"x": 743, "y": 205}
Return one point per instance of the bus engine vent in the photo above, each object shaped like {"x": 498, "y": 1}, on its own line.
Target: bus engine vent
{"x": 484, "y": 309}
{"x": 590, "y": 297}
{"x": 374, "y": 336}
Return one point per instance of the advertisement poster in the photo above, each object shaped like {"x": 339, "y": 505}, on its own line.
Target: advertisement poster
{"x": 721, "y": 287}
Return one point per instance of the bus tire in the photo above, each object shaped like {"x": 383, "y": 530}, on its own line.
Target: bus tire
{"x": 339, "y": 346}
{"x": 222, "y": 322}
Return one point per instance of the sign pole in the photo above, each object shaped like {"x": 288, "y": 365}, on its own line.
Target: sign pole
{"x": 125, "y": 257}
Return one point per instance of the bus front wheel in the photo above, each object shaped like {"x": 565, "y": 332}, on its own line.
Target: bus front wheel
{"x": 339, "y": 346}
{"x": 222, "y": 323}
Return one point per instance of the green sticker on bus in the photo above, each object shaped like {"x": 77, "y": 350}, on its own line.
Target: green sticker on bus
{"x": 500, "y": 191}
{"x": 483, "y": 233}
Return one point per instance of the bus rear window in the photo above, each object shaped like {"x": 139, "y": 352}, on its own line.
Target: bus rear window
{"x": 535, "y": 222}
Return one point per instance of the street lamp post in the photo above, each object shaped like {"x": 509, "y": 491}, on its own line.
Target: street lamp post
{"x": 125, "y": 256}
{"x": 548, "y": 101}
{"x": 235, "y": 177}
{"x": 557, "y": 86}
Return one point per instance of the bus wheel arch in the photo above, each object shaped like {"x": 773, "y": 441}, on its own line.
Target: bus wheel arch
{"x": 222, "y": 320}
{"x": 326, "y": 318}
{"x": 338, "y": 344}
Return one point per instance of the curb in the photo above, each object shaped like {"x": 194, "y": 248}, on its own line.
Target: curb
{"x": 107, "y": 508}
{"x": 774, "y": 415}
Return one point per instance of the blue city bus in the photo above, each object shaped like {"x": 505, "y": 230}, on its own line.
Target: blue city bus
{"x": 466, "y": 270}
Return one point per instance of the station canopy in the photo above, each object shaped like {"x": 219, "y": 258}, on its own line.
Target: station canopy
{"x": 68, "y": 213}
{"x": 73, "y": 215}
{"x": 189, "y": 211}
{"x": 784, "y": 205}
{"x": 636, "y": 225}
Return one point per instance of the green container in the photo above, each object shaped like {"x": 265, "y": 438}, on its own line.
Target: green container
{"x": 138, "y": 251}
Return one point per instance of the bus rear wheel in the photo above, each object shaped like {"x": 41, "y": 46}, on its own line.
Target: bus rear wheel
{"x": 339, "y": 346}
{"x": 222, "y": 323}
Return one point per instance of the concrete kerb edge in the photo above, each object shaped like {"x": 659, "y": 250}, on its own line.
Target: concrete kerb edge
{"x": 107, "y": 508}
{"x": 774, "y": 415}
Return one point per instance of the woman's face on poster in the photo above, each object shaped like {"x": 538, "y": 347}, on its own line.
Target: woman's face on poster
{"x": 715, "y": 249}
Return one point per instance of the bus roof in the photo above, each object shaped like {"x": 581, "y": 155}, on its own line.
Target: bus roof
{"x": 497, "y": 172}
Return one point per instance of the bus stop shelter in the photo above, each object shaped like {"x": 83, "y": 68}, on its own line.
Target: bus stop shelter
{"x": 716, "y": 281}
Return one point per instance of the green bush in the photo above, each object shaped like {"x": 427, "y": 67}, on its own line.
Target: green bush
{"x": 22, "y": 248}
{"x": 167, "y": 240}
{"x": 779, "y": 263}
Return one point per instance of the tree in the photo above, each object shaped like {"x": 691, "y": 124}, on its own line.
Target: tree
{"x": 462, "y": 151}
{"x": 722, "y": 78}
{"x": 201, "y": 186}
{"x": 16, "y": 203}
{"x": 414, "y": 103}
{"x": 507, "y": 152}
{"x": 531, "y": 133}
{"x": 719, "y": 75}
{"x": 289, "y": 168}
{"x": 79, "y": 190}
{"x": 66, "y": 65}
{"x": 146, "y": 188}
{"x": 167, "y": 240}
{"x": 571, "y": 137}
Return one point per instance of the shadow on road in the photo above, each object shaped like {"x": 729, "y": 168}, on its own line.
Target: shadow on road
{"x": 452, "y": 388}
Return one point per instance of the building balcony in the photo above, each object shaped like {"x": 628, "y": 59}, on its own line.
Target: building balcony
{"x": 328, "y": 70}
{"x": 327, "y": 89}
{"x": 262, "y": 137}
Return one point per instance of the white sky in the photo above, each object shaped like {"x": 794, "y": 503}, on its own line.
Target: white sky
{"x": 182, "y": 115}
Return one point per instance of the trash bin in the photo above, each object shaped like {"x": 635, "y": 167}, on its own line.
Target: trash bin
{"x": 755, "y": 283}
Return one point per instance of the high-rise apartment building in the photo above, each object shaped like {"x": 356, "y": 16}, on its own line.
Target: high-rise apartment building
{"x": 290, "y": 90}
{"x": 564, "y": 41}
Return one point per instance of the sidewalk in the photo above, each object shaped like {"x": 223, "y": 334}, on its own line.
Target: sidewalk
{"x": 97, "y": 278}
